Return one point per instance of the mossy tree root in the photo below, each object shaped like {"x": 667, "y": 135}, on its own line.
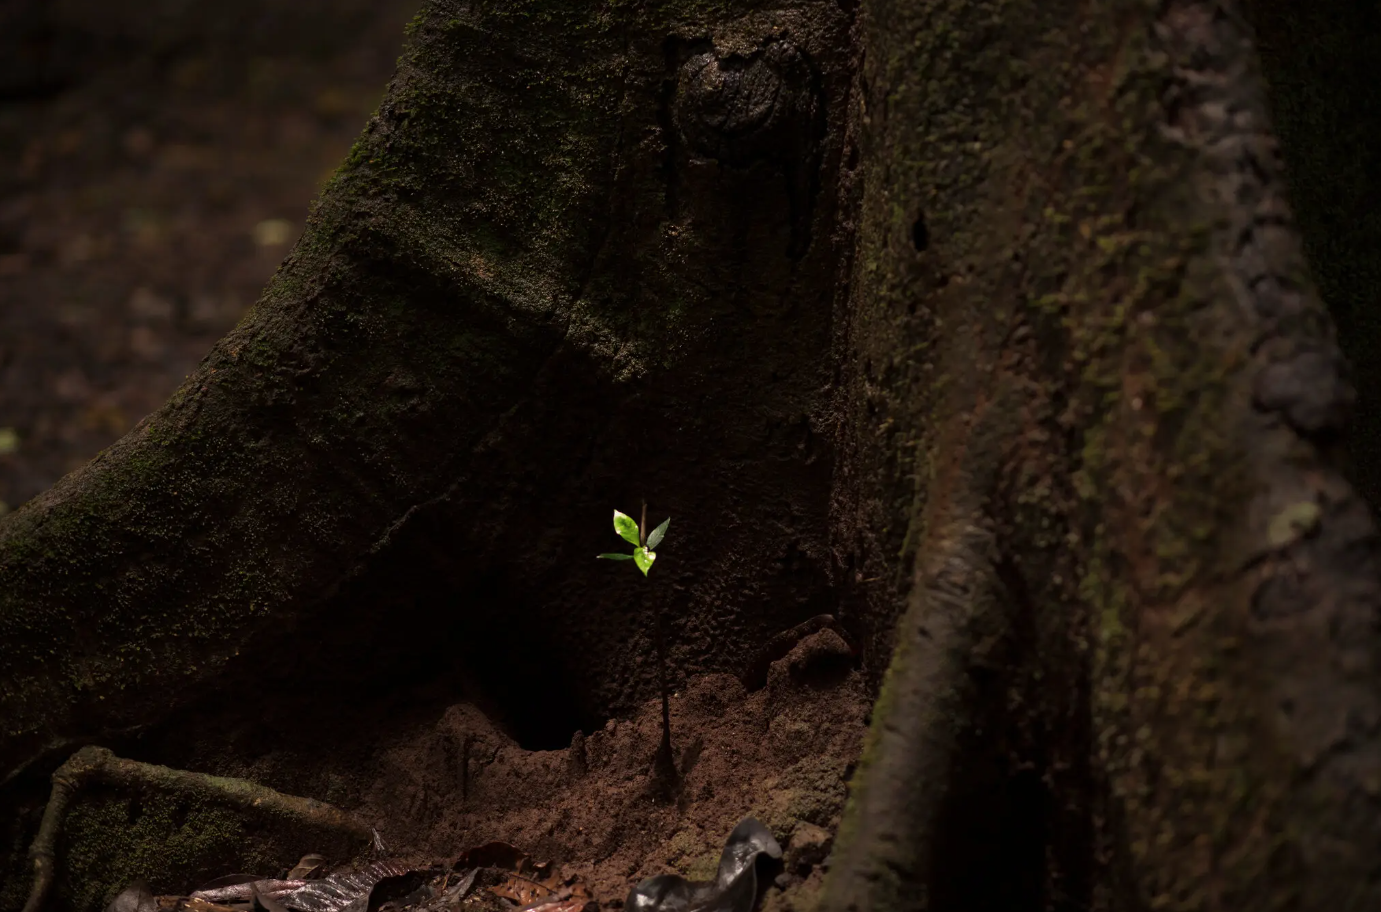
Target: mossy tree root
{"x": 916, "y": 741}
{"x": 937, "y": 691}
{"x": 98, "y": 765}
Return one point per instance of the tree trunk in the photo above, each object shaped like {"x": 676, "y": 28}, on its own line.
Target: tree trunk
{"x": 1137, "y": 667}
{"x": 984, "y": 325}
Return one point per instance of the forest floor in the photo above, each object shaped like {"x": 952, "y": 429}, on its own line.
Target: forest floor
{"x": 472, "y": 821}
{"x": 156, "y": 164}
{"x": 782, "y": 754}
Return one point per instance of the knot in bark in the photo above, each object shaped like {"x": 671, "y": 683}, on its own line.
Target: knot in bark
{"x": 737, "y": 109}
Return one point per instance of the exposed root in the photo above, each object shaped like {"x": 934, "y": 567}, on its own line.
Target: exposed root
{"x": 98, "y": 765}
{"x": 914, "y": 745}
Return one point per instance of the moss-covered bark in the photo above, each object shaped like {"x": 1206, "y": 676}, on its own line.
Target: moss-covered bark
{"x": 1159, "y": 680}
{"x": 524, "y": 299}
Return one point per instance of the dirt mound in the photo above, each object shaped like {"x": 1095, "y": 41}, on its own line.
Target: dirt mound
{"x": 782, "y": 754}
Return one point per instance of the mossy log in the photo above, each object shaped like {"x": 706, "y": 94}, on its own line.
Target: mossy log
{"x": 983, "y": 324}
{"x": 221, "y": 820}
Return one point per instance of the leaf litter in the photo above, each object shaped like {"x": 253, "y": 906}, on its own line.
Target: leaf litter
{"x": 493, "y": 871}
{"x": 772, "y": 760}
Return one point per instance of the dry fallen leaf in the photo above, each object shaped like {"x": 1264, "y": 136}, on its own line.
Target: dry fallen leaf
{"x": 310, "y": 867}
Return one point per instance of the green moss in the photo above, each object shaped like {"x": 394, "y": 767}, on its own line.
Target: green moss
{"x": 811, "y": 790}
{"x": 174, "y": 843}
{"x": 691, "y": 855}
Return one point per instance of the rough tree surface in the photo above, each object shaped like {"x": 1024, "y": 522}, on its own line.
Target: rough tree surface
{"x": 983, "y": 324}
{"x": 1139, "y": 651}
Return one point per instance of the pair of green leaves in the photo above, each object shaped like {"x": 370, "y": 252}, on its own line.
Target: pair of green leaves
{"x": 642, "y": 555}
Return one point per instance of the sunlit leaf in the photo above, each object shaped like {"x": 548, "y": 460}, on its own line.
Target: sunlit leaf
{"x": 644, "y": 558}
{"x": 614, "y": 555}
{"x": 627, "y": 527}
{"x": 658, "y": 534}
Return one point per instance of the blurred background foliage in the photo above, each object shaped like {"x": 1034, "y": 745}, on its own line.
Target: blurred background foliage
{"x": 157, "y": 159}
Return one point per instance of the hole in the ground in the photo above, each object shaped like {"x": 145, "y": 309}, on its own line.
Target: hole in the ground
{"x": 390, "y": 663}
{"x": 522, "y": 680}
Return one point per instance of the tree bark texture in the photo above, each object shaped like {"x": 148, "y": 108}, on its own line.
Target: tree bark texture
{"x": 1137, "y": 667}
{"x": 982, "y": 323}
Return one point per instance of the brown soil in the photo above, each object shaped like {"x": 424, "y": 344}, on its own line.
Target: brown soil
{"x": 438, "y": 776}
{"x": 782, "y": 754}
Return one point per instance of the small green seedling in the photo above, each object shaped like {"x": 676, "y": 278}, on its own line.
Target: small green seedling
{"x": 633, "y": 533}
{"x": 636, "y": 534}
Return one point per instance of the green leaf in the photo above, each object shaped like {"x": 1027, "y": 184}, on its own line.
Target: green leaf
{"x": 613, "y": 555}
{"x": 658, "y": 534}
{"x": 644, "y": 558}
{"x": 627, "y": 527}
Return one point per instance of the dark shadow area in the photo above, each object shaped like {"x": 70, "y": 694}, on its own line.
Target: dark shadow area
{"x": 991, "y": 852}
{"x": 1016, "y": 828}
{"x": 1320, "y": 63}
{"x": 920, "y": 235}
{"x": 525, "y": 681}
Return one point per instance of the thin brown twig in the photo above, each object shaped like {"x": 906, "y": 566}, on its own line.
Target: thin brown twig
{"x": 664, "y": 764}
